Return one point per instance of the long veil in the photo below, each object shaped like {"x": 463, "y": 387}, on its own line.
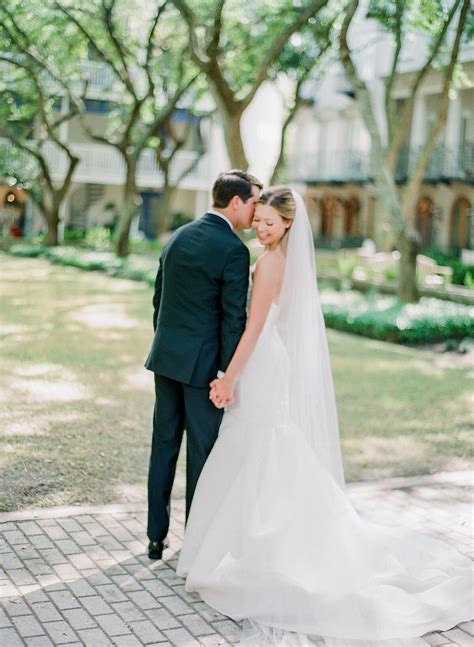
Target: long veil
{"x": 301, "y": 326}
{"x": 312, "y": 407}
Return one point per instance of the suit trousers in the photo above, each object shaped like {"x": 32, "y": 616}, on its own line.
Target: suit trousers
{"x": 178, "y": 406}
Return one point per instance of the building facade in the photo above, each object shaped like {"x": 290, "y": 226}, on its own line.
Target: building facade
{"x": 95, "y": 196}
{"x": 328, "y": 156}
{"x": 330, "y": 153}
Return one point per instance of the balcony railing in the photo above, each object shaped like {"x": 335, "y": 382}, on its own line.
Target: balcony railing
{"x": 100, "y": 77}
{"x": 335, "y": 167}
{"x": 104, "y": 165}
{"x": 445, "y": 164}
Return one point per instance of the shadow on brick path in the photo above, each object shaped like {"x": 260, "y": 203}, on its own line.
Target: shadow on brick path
{"x": 79, "y": 576}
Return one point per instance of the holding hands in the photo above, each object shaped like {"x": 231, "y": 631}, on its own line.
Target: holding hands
{"x": 222, "y": 392}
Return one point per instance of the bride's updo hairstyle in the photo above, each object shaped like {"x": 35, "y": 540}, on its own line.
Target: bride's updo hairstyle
{"x": 282, "y": 200}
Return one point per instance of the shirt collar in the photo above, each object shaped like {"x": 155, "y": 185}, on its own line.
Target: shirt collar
{"x": 221, "y": 215}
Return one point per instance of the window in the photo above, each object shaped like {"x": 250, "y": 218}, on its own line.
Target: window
{"x": 96, "y": 106}
{"x": 424, "y": 221}
{"x": 460, "y": 224}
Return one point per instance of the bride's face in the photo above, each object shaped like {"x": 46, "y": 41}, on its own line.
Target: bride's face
{"x": 269, "y": 225}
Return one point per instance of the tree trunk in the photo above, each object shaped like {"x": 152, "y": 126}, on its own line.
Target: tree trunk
{"x": 162, "y": 217}
{"x": 407, "y": 284}
{"x": 400, "y": 214}
{"x": 280, "y": 164}
{"x": 233, "y": 139}
{"x": 129, "y": 208}
{"x": 50, "y": 210}
{"x": 52, "y": 219}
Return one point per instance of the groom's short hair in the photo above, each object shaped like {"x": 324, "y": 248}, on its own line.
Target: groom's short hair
{"x": 231, "y": 183}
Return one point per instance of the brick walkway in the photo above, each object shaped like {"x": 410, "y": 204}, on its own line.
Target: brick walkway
{"x": 79, "y": 576}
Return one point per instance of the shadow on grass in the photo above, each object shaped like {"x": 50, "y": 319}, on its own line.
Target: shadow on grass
{"x": 77, "y": 403}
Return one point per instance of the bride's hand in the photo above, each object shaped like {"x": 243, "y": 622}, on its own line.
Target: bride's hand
{"x": 222, "y": 393}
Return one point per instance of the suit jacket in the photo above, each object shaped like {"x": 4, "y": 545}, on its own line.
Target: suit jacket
{"x": 199, "y": 302}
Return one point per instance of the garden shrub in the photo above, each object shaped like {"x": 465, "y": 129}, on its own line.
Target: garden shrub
{"x": 179, "y": 219}
{"x": 97, "y": 237}
{"x": 83, "y": 259}
{"x": 388, "y": 319}
{"x": 74, "y": 235}
{"x": 460, "y": 271}
{"x": 26, "y": 251}
{"x": 371, "y": 315}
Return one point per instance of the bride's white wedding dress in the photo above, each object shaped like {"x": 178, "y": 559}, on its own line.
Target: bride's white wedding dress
{"x": 272, "y": 537}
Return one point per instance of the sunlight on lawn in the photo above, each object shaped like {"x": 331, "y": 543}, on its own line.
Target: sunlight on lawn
{"x": 24, "y": 427}
{"x": 106, "y": 316}
{"x": 140, "y": 379}
{"x": 425, "y": 366}
{"x": 36, "y": 370}
{"x": 77, "y": 403}
{"x": 379, "y": 449}
{"x": 49, "y": 391}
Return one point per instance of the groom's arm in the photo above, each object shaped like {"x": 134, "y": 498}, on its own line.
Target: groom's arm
{"x": 157, "y": 293}
{"x": 233, "y": 302}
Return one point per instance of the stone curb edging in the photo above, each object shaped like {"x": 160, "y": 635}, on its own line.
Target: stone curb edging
{"x": 462, "y": 478}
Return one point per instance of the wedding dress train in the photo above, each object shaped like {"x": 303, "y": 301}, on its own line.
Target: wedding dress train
{"x": 272, "y": 537}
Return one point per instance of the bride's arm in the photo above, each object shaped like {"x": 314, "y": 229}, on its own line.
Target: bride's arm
{"x": 266, "y": 283}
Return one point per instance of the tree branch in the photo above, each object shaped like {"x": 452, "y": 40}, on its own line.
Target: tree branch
{"x": 212, "y": 49}
{"x": 298, "y": 100}
{"x": 423, "y": 158}
{"x": 278, "y": 44}
{"x": 198, "y": 55}
{"x": 164, "y": 115}
{"x": 85, "y": 32}
{"x": 61, "y": 192}
{"x": 362, "y": 94}
{"x": 33, "y": 152}
{"x": 109, "y": 23}
{"x": 149, "y": 47}
{"x": 24, "y": 48}
{"x": 404, "y": 122}
{"x": 389, "y": 113}
{"x": 45, "y": 118}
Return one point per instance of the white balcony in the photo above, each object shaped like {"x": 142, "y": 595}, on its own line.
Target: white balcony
{"x": 100, "y": 76}
{"x": 102, "y": 83}
{"x": 330, "y": 166}
{"x": 352, "y": 166}
{"x": 102, "y": 164}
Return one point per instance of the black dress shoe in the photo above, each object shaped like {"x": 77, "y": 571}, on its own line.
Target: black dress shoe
{"x": 156, "y": 548}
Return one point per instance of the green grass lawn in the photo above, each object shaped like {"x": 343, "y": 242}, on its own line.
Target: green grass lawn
{"x": 76, "y": 401}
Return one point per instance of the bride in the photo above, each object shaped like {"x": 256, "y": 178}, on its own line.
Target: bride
{"x": 272, "y": 538}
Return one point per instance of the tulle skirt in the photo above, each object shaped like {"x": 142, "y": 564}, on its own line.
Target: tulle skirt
{"x": 272, "y": 539}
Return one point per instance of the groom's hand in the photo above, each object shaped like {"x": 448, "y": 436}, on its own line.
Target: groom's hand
{"x": 222, "y": 393}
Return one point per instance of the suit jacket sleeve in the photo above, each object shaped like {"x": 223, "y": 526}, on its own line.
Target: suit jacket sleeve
{"x": 157, "y": 293}
{"x": 234, "y": 302}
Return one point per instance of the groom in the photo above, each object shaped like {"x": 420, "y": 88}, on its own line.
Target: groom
{"x": 199, "y": 316}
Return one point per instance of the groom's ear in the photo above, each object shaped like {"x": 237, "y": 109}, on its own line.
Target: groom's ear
{"x": 235, "y": 202}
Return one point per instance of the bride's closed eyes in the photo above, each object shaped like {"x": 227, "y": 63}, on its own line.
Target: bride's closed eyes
{"x": 257, "y": 220}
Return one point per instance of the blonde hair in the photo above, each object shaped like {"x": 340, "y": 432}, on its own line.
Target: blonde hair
{"x": 281, "y": 199}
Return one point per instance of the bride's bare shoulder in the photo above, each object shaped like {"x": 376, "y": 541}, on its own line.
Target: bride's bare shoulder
{"x": 269, "y": 270}
{"x": 270, "y": 262}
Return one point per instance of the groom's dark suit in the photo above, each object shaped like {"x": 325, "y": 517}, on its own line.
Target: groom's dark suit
{"x": 199, "y": 316}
